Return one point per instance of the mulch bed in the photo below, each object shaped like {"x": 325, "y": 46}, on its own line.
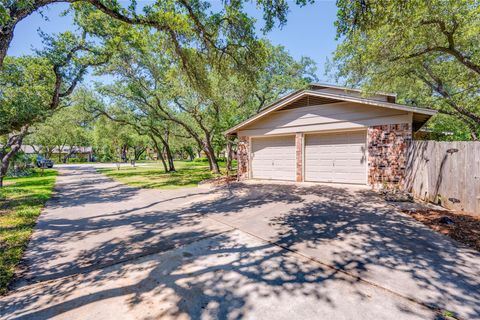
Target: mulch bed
{"x": 462, "y": 227}
{"x": 219, "y": 181}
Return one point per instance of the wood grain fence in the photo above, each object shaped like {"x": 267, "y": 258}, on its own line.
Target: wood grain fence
{"x": 446, "y": 173}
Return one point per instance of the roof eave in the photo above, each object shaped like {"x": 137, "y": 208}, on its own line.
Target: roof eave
{"x": 326, "y": 85}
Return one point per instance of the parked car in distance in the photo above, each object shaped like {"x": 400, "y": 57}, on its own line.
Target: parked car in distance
{"x": 44, "y": 163}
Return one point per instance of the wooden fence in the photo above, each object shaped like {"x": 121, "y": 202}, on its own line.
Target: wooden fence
{"x": 446, "y": 173}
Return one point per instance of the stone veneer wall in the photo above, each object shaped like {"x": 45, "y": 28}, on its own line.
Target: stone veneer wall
{"x": 387, "y": 154}
{"x": 242, "y": 158}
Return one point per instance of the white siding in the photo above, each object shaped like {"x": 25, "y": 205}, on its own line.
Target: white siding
{"x": 273, "y": 158}
{"x": 336, "y": 157}
{"x": 342, "y": 115}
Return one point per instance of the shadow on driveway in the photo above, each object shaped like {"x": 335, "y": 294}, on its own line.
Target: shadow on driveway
{"x": 218, "y": 253}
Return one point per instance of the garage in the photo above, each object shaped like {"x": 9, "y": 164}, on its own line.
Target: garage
{"x": 336, "y": 157}
{"x": 329, "y": 134}
{"x": 273, "y": 158}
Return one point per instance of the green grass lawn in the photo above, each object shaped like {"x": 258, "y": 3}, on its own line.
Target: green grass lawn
{"x": 152, "y": 175}
{"x": 21, "y": 202}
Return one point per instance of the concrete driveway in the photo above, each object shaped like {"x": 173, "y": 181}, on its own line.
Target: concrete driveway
{"x": 103, "y": 250}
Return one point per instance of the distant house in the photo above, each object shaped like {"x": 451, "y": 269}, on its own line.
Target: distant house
{"x": 84, "y": 153}
{"x": 329, "y": 133}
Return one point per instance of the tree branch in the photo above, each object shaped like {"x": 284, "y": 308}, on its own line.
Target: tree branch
{"x": 451, "y": 49}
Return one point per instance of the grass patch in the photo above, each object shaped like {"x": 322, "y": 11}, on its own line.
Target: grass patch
{"x": 21, "y": 202}
{"x": 188, "y": 174}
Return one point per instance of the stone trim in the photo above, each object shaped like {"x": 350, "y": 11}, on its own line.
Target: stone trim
{"x": 299, "y": 157}
{"x": 243, "y": 156}
{"x": 387, "y": 154}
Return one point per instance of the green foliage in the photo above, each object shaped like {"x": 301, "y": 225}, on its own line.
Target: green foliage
{"x": 21, "y": 165}
{"x": 447, "y": 128}
{"x": 151, "y": 92}
{"x": 32, "y": 88}
{"x": 26, "y": 87}
{"x": 76, "y": 160}
{"x": 70, "y": 126}
{"x": 281, "y": 75}
{"x": 203, "y": 64}
{"x": 201, "y": 159}
{"x": 193, "y": 34}
{"x": 426, "y": 51}
{"x": 20, "y": 204}
{"x": 110, "y": 139}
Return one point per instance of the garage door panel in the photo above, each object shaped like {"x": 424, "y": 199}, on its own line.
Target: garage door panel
{"x": 272, "y": 155}
{"x": 354, "y": 164}
{"x": 273, "y": 158}
{"x": 336, "y": 157}
{"x": 354, "y": 158}
{"x": 318, "y": 176}
{"x": 318, "y": 155}
{"x": 318, "y": 163}
{"x": 287, "y": 165}
{"x": 349, "y": 149}
{"x": 349, "y": 170}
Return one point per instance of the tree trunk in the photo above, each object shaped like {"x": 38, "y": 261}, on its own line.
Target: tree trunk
{"x": 71, "y": 151}
{"x": 190, "y": 153}
{"x": 6, "y": 36}
{"x": 212, "y": 159}
{"x": 138, "y": 151}
{"x": 123, "y": 152}
{"x": 159, "y": 153}
{"x": 14, "y": 142}
{"x": 3, "y": 172}
{"x": 168, "y": 153}
{"x": 229, "y": 155}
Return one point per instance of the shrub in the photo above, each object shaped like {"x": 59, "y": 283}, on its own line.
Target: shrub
{"x": 202, "y": 159}
{"x": 76, "y": 160}
{"x": 20, "y": 166}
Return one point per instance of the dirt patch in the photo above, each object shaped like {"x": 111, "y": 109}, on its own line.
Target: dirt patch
{"x": 219, "y": 181}
{"x": 462, "y": 227}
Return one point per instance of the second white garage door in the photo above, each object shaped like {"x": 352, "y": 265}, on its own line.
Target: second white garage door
{"x": 336, "y": 157}
{"x": 273, "y": 158}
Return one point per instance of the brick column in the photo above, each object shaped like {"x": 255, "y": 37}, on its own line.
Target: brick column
{"x": 387, "y": 154}
{"x": 299, "y": 156}
{"x": 243, "y": 151}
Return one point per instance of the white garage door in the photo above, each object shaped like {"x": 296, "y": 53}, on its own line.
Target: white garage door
{"x": 336, "y": 157}
{"x": 273, "y": 158}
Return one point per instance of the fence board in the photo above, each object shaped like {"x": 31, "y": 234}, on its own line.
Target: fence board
{"x": 447, "y": 173}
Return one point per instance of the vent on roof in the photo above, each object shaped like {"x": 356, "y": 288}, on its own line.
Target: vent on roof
{"x": 309, "y": 101}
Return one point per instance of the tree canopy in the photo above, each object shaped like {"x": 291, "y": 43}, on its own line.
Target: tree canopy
{"x": 153, "y": 94}
{"x": 428, "y": 52}
{"x": 200, "y": 41}
{"x": 226, "y": 29}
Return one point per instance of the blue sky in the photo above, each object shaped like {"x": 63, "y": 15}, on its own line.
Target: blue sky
{"x": 308, "y": 32}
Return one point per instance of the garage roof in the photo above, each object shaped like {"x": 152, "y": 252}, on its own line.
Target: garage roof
{"x": 420, "y": 115}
